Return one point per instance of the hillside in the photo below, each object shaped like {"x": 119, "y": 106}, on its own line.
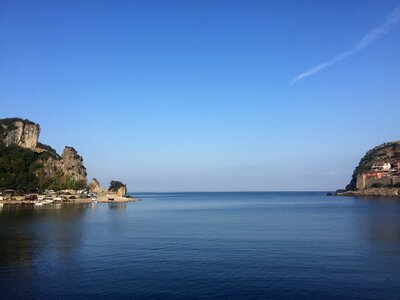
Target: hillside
{"x": 27, "y": 164}
{"x": 378, "y": 168}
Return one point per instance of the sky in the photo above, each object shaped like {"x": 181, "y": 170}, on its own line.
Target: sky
{"x": 199, "y": 95}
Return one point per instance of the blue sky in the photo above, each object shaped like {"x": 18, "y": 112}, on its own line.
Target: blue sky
{"x": 197, "y": 95}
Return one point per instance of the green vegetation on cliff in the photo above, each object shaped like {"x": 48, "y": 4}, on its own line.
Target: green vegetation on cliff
{"x": 115, "y": 185}
{"x": 17, "y": 168}
{"x": 27, "y": 164}
{"x": 59, "y": 181}
{"x": 22, "y": 169}
{"x": 8, "y": 124}
{"x": 385, "y": 152}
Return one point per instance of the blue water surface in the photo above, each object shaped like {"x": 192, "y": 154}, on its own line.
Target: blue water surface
{"x": 260, "y": 245}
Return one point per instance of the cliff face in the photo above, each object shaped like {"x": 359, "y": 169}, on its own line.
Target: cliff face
{"x": 94, "y": 186}
{"x": 19, "y": 132}
{"x": 51, "y": 170}
{"x": 387, "y": 152}
{"x": 69, "y": 165}
{"x": 72, "y": 164}
{"x": 121, "y": 192}
{"x": 26, "y": 164}
{"x": 117, "y": 188}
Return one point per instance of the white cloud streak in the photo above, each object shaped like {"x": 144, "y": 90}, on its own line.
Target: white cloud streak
{"x": 370, "y": 37}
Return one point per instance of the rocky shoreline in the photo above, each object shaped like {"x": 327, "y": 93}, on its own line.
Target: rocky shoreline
{"x": 32, "y": 172}
{"x": 371, "y": 192}
{"x": 377, "y": 174}
{"x": 19, "y": 200}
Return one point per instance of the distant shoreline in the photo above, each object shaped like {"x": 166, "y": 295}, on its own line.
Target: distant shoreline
{"x": 101, "y": 199}
{"x": 370, "y": 192}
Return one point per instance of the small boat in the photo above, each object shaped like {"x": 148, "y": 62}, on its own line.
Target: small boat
{"x": 38, "y": 203}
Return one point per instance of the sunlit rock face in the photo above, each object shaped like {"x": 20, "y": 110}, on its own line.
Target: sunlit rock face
{"x": 122, "y": 191}
{"x": 16, "y": 131}
{"x": 71, "y": 164}
{"x": 66, "y": 169}
{"x": 94, "y": 186}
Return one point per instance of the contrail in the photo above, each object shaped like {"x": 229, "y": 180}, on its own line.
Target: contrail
{"x": 370, "y": 37}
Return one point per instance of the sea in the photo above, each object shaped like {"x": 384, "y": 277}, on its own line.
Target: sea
{"x": 238, "y": 245}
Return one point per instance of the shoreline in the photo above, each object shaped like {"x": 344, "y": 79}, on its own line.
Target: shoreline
{"x": 102, "y": 199}
{"x": 371, "y": 192}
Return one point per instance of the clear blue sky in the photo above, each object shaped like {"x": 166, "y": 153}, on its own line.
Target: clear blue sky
{"x": 197, "y": 95}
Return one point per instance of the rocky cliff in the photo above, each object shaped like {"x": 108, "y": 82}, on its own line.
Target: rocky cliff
{"x": 116, "y": 188}
{"x": 122, "y": 191}
{"x": 69, "y": 165}
{"x": 49, "y": 170}
{"x": 26, "y": 164}
{"x": 16, "y": 131}
{"x": 94, "y": 186}
{"x": 386, "y": 152}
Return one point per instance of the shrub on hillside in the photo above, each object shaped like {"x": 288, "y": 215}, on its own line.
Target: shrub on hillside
{"x": 115, "y": 185}
{"x": 377, "y": 185}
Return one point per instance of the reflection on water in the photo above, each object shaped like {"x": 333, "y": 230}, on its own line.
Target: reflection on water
{"x": 16, "y": 249}
{"x": 32, "y": 238}
{"x": 234, "y": 245}
{"x": 380, "y": 219}
{"x": 120, "y": 206}
{"x": 27, "y": 231}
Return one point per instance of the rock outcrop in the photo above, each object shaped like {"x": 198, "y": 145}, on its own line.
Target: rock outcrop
{"x": 121, "y": 192}
{"x": 39, "y": 166}
{"x": 71, "y": 164}
{"x": 41, "y": 148}
{"x": 117, "y": 189}
{"x": 16, "y": 131}
{"x": 372, "y": 192}
{"x": 51, "y": 170}
{"x": 377, "y": 174}
{"x": 94, "y": 186}
{"x": 386, "y": 152}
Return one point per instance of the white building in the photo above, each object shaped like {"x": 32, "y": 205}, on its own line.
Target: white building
{"x": 381, "y": 166}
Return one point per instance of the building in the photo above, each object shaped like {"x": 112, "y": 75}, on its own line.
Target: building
{"x": 381, "y": 166}
{"x": 374, "y": 174}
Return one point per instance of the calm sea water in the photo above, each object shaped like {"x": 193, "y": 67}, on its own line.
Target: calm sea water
{"x": 204, "y": 245}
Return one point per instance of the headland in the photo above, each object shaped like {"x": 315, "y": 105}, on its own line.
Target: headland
{"x": 34, "y": 173}
{"x": 377, "y": 174}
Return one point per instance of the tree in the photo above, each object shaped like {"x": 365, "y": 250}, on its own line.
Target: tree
{"x": 17, "y": 168}
{"x": 115, "y": 185}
